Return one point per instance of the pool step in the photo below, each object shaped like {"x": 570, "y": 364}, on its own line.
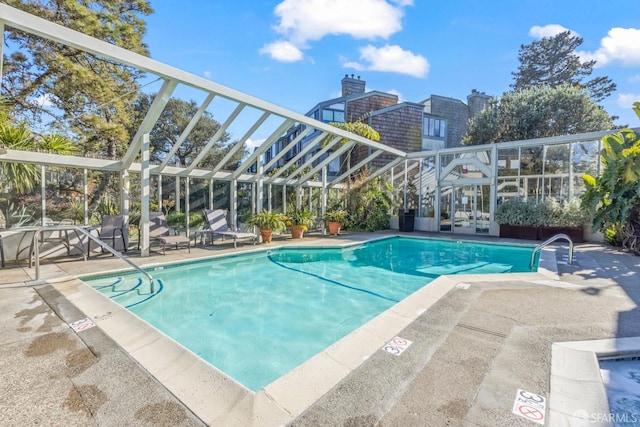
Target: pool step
{"x": 128, "y": 291}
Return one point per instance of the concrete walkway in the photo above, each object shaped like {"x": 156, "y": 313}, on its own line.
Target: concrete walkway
{"x": 471, "y": 351}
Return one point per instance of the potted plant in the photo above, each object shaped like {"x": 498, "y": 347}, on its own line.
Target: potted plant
{"x": 519, "y": 219}
{"x": 335, "y": 218}
{"x": 298, "y": 221}
{"x": 267, "y": 222}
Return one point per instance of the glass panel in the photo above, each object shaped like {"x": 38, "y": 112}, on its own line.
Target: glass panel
{"x": 584, "y": 160}
{"x": 481, "y": 214}
{"x": 464, "y": 206}
{"x": 531, "y": 172}
{"x": 556, "y": 172}
{"x": 338, "y": 116}
{"x": 446, "y": 200}
{"x": 508, "y": 162}
{"x": 428, "y": 187}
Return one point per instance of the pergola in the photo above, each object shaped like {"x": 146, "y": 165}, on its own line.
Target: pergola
{"x": 322, "y": 143}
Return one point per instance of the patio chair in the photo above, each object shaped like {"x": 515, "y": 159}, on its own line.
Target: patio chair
{"x": 111, "y": 231}
{"x": 216, "y": 224}
{"x": 159, "y": 232}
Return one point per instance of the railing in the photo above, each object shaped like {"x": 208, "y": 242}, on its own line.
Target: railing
{"x": 549, "y": 241}
{"x": 82, "y": 230}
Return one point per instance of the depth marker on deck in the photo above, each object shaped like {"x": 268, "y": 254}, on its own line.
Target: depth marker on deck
{"x": 81, "y": 325}
{"x": 530, "y": 406}
{"x": 397, "y": 346}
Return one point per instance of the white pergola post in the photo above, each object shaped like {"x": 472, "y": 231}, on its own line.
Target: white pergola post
{"x": 211, "y": 194}
{"x": 85, "y": 178}
{"x": 260, "y": 186}
{"x": 187, "y": 183}
{"x": 125, "y": 184}
{"x": 323, "y": 197}
{"x": 269, "y": 197}
{"x": 233, "y": 201}
{"x": 43, "y": 194}
{"x": 284, "y": 199}
{"x": 160, "y": 206}
{"x": 144, "y": 196}
{"x": 298, "y": 197}
{"x": 177, "y": 194}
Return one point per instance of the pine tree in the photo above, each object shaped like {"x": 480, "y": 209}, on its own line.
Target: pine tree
{"x": 50, "y": 84}
{"x": 553, "y": 61}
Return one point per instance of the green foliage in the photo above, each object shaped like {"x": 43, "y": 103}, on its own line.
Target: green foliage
{"x": 298, "y": 217}
{"x": 76, "y": 211}
{"x": 176, "y": 219}
{"x": 567, "y": 214}
{"x": 368, "y": 204}
{"x": 553, "y": 61}
{"x": 519, "y": 212}
{"x": 358, "y": 128}
{"x": 335, "y": 215}
{"x": 615, "y": 194}
{"x": 537, "y": 112}
{"x": 21, "y": 177}
{"x": 93, "y": 92}
{"x": 266, "y": 220}
{"x": 106, "y": 206}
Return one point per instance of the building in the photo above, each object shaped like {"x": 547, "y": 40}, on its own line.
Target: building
{"x": 435, "y": 123}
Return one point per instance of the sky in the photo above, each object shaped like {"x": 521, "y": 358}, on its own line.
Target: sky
{"x": 294, "y": 53}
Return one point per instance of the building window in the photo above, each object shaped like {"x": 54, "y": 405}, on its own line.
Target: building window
{"x": 329, "y": 115}
{"x": 434, "y": 127}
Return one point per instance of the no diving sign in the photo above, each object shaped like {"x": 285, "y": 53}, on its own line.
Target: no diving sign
{"x": 530, "y": 406}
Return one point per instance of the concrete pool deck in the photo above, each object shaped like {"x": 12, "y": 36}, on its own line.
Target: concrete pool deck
{"x": 472, "y": 349}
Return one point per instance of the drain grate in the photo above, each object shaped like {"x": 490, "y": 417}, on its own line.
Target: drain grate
{"x": 484, "y": 331}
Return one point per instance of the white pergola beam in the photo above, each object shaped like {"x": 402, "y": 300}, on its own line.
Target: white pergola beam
{"x": 295, "y": 158}
{"x": 355, "y": 167}
{"x": 325, "y": 162}
{"x": 287, "y": 148}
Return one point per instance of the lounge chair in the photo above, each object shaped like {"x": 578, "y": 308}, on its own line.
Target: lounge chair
{"x": 159, "y": 232}
{"x": 217, "y": 225}
{"x": 111, "y": 231}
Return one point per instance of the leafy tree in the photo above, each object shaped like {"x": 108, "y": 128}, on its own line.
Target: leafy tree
{"x": 173, "y": 120}
{"x": 615, "y": 194}
{"x": 47, "y": 81}
{"x": 553, "y": 61}
{"x": 537, "y": 112}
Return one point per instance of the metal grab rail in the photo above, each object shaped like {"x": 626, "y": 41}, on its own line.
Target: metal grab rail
{"x": 40, "y": 230}
{"x": 549, "y": 241}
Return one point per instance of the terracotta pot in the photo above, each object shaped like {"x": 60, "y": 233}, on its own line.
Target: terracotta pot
{"x": 334, "y": 228}
{"x": 296, "y": 231}
{"x": 267, "y": 235}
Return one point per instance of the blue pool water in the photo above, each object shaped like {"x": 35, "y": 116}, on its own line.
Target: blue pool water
{"x": 621, "y": 378}
{"x": 257, "y": 316}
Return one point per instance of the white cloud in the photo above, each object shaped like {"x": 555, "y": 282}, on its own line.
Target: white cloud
{"x": 635, "y": 78}
{"x": 549, "y": 30}
{"x": 207, "y": 74}
{"x": 302, "y": 21}
{"x": 397, "y": 93}
{"x": 251, "y": 143}
{"x": 282, "y": 51}
{"x": 45, "y": 100}
{"x": 626, "y": 100}
{"x": 620, "y": 45}
{"x": 391, "y": 58}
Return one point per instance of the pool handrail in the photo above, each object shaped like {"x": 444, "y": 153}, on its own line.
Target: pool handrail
{"x": 82, "y": 230}
{"x": 549, "y": 241}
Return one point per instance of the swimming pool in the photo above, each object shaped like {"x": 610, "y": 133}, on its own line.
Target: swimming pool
{"x": 257, "y": 316}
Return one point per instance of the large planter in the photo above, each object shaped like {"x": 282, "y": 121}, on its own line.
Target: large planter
{"x": 334, "y": 228}
{"x": 296, "y": 231}
{"x": 266, "y": 235}
{"x": 575, "y": 233}
{"x": 519, "y": 231}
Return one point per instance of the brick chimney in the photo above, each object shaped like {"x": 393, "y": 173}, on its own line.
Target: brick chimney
{"x": 352, "y": 86}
